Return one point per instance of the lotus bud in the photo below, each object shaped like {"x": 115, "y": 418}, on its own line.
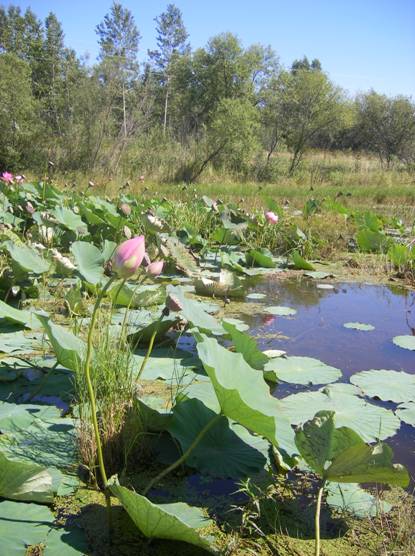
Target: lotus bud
{"x": 128, "y": 257}
{"x": 125, "y": 209}
{"x": 155, "y": 268}
{"x": 271, "y": 217}
{"x": 127, "y": 232}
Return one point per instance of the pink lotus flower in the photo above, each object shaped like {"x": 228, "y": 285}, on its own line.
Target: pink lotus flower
{"x": 271, "y": 217}
{"x": 128, "y": 256}
{"x": 155, "y": 268}
{"x": 7, "y": 177}
{"x": 142, "y": 179}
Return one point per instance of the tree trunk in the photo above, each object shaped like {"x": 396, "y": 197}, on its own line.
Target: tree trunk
{"x": 166, "y": 103}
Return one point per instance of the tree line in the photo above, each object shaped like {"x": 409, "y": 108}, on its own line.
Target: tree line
{"x": 175, "y": 111}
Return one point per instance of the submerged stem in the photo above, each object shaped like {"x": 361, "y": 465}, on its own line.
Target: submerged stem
{"x": 317, "y": 518}
{"x": 185, "y": 455}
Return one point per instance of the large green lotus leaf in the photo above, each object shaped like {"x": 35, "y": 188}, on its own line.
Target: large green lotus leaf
{"x": 341, "y": 455}
{"x": 89, "y": 261}
{"x": 242, "y": 392}
{"x": 388, "y": 385}
{"x": 143, "y": 335}
{"x": 177, "y": 521}
{"x": 23, "y": 525}
{"x": 25, "y": 481}
{"x": 246, "y": 345}
{"x": 48, "y": 442}
{"x": 166, "y": 364}
{"x": 139, "y": 296}
{"x": 350, "y": 497}
{"x": 281, "y": 311}
{"x": 300, "y": 370}
{"x": 300, "y": 263}
{"x": 226, "y": 450}
{"x": 359, "y": 326}
{"x": 181, "y": 256}
{"x": 260, "y": 257}
{"x": 406, "y": 342}
{"x": 70, "y": 220}
{"x": 20, "y": 416}
{"x": 320, "y": 442}
{"x": 193, "y": 311}
{"x": 154, "y": 412}
{"x": 369, "y": 421}
{"x": 362, "y": 463}
{"x": 19, "y": 342}
{"x": 68, "y": 348}
{"x": 27, "y": 258}
{"x": 406, "y": 413}
{"x": 27, "y": 318}
{"x": 370, "y": 241}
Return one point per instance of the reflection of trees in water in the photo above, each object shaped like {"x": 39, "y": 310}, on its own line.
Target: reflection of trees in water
{"x": 295, "y": 291}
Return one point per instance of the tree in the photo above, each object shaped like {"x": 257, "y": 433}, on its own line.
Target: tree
{"x": 387, "y": 126}
{"x": 308, "y": 104}
{"x": 305, "y": 64}
{"x": 118, "y": 38}
{"x": 172, "y": 42}
{"x": 19, "y": 124}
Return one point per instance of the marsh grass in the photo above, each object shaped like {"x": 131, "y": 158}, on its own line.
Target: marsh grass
{"x": 115, "y": 390}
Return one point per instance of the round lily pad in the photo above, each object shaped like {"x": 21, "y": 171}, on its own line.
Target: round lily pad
{"x": 256, "y": 296}
{"x": 359, "y": 326}
{"x": 406, "y": 342}
{"x": 281, "y": 311}
{"x": 371, "y": 422}
{"x": 325, "y": 287}
{"x": 301, "y": 370}
{"x": 271, "y": 353}
{"x": 406, "y": 413}
{"x": 388, "y": 385}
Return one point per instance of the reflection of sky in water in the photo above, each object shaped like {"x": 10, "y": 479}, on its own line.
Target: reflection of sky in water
{"x": 317, "y": 331}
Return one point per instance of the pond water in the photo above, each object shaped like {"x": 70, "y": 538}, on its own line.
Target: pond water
{"x": 317, "y": 331}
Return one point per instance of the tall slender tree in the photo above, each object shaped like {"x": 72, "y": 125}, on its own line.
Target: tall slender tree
{"x": 171, "y": 41}
{"x": 118, "y": 38}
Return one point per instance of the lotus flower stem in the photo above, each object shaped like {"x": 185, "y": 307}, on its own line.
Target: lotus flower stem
{"x": 91, "y": 392}
{"x": 150, "y": 348}
{"x": 185, "y": 455}
{"x": 317, "y": 519}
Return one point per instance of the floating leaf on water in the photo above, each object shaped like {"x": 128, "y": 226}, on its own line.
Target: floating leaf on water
{"x": 271, "y": 353}
{"x": 406, "y": 413}
{"x": 255, "y": 296}
{"x": 371, "y": 422}
{"x": 301, "y": 370}
{"x": 350, "y": 497}
{"x": 228, "y": 285}
{"x": 325, "y": 287}
{"x": 388, "y": 385}
{"x": 177, "y": 521}
{"x": 359, "y": 326}
{"x": 23, "y": 525}
{"x": 281, "y": 311}
{"x": 406, "y": 342}
{"x": 318, "y": 274}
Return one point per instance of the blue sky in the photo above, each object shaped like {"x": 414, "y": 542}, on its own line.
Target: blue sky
{"x": 362, "y": 44}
